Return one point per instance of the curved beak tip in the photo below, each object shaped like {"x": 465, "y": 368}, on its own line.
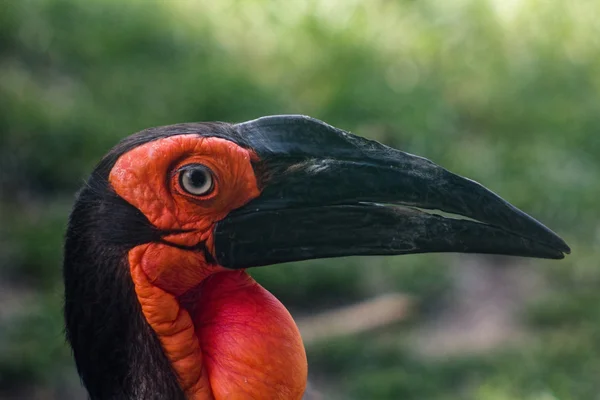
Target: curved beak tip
{"x": 565, "y": 249}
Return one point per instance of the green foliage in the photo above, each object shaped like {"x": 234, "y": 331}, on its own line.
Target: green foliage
{"x": 503, "y": 92}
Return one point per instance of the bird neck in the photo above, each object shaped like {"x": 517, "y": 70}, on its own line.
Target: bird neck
{"x": 226, "y": 337}
{"x": 117, "y": 353}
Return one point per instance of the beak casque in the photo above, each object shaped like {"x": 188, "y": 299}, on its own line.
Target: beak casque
{"x": 328, "y": 193}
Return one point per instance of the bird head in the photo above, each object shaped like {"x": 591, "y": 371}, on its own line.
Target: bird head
{"x": 180, "y": 211}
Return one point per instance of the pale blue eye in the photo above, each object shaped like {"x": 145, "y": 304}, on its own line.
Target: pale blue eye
{"x": 196, "y": 179}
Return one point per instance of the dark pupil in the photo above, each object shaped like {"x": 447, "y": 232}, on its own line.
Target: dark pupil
{"x": 197, "y": 178}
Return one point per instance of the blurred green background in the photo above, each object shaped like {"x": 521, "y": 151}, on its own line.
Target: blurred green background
{"x": 504, "y": 92}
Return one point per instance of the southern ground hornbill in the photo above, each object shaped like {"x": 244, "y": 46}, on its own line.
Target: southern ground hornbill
{"x": 157, "y": 302}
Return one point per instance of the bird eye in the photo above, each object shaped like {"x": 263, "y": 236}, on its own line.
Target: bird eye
{"x": 196, "y": 179}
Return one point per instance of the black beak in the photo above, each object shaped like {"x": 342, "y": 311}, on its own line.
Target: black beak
{"x": 328, "y": 193}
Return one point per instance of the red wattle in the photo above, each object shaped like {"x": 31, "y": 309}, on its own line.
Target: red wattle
{"x": 251, "y": 346}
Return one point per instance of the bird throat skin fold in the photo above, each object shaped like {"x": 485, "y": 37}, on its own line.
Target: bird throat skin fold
{"x": 226, "y": 337}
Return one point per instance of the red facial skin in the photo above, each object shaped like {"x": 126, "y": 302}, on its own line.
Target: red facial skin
{"x": 225, "y": 335}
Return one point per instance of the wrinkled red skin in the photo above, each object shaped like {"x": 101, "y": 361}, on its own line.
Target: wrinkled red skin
{"x": 225, "y": 335}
